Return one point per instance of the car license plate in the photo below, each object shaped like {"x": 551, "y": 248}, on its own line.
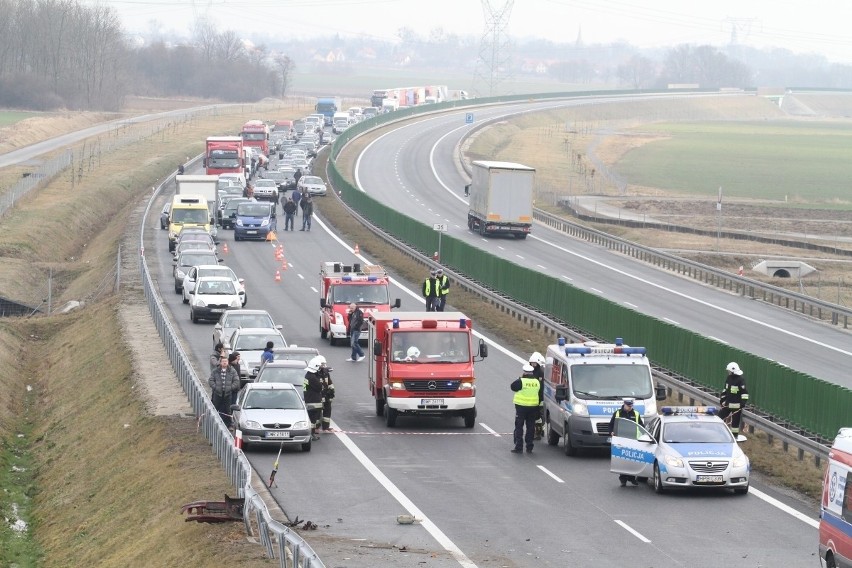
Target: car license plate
{"x": 251, "y": 232}
{"x": 432, "y": 401}
{"x": 216, "y": 311}
{"x": 709, "y": 479}
{"x": 278, "y": 434}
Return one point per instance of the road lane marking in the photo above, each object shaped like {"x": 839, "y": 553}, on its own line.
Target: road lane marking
{"x": 629, "y": 305}
{"x": 717, "y": 339}
{"x": 784, "y": 507}
{"x": 493, "y": 432}
{"x": 550, "y": 473}
{"x": 631, "y": 530}
{"x": 671, "y": 321}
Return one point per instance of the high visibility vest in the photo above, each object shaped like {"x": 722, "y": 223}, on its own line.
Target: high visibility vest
{"x": 442, "y": 285}
{"x": 634, "y": 415}
{"x": 528, "y": 395}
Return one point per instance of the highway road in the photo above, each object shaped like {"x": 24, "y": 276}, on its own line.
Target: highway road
{"x": 414, "y": 170}
{"x": 478, "y": 504}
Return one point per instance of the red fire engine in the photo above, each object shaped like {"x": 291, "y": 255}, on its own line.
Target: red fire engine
{"x": 422, "y": 364}
{"x": 341, "y": 285}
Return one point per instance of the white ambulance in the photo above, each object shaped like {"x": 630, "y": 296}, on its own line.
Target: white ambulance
{"x": 835, "y": 515}
{"x": 585, "y": 383}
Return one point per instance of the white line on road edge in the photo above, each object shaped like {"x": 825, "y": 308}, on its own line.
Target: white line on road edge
{"x": 409, "y": 506}
{"x": 497, "y": 434}
{"x": 632, "y": 531}
{"x": 550, "y": 473}
{"x": 786, "y": 508}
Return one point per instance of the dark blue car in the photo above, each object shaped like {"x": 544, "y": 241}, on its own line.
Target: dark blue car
{"x": 254, "y": 220}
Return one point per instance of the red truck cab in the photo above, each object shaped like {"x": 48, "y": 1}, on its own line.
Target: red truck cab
{"x": 421, "y": 363}
{"x": 341, "y": 285}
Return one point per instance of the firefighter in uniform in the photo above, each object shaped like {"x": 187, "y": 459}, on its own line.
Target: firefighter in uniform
{"x": 313, "y": 395}
{"x": 537, "y": 363}
{"x": 734, "y": 397}
{"x": 628, "y": 413}
{"x": 529, "y": 393}
{"x": 327, "y": 392}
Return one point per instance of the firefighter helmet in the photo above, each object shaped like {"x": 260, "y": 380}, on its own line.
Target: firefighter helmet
{"x": 413, "y": 352}
{"x": 734, "y": 369}
{"x": 313, "y": 365}
{"x": 537, "y": 358}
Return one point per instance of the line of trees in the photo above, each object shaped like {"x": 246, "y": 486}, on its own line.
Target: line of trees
{"x": 61, "y": 54}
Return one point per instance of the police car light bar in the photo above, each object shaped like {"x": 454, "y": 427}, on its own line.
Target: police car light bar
{"x": 677, "y": 410}
{"x": 604, "y": 350}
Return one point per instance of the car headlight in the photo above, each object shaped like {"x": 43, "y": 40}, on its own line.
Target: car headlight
{"x": 740, "y": 461}
{"x": 673, "y": 461}
{"x": 338, "y": 319}
{"x": 580, "y": 409}
{"x": 301, "y": 425}
{"x": 236, "y": 303}
{"x": 239, "y": 222}
{"x": 397, "y": 386}
{"x": 264, "y": 223}
{"x": 253, "y": 425}
{"x": 199, "y": 303}
{"x": 180, "y": 274}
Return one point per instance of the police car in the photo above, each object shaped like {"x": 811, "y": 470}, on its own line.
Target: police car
{"x": 686, "y": 446}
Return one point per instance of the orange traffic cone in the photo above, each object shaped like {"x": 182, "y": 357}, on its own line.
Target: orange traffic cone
{"x": 270, "y": 236}
{"x": 357, "y": 250}
{"x": 278, "y": 276}
{"x": 225, "y": 248}
{"x": 283, "y": 263}
{"x": 279, "y": 254}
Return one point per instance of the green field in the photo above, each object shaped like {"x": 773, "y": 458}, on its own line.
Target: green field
{"x": 8, "y": 117}
{"x": 773, "y": 160}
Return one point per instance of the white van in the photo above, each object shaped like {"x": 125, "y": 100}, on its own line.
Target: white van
{"x": 585, "y": 383}
{"x": 835, "y": 512}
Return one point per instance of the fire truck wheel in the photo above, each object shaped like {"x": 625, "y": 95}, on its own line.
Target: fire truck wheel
{"x": 470, "y": 418}
{"x": 390, "y": 416}
{"x": 380, "y": 407}
{"x": 323, "y": 332}
{"x": 331, "y": 340}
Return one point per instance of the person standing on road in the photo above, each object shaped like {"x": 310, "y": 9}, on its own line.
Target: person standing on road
{"x": 529, "y": 392}
{"x": 234, "y": 361}
{"x": 267, "y": 356}
{"x": 537, "y": 363}
{"x": 313, "y": 395}
{"x": 327, "y": 393}
{"x": 307, "y": 211}
{"x": 356, "y": 322}
{"x": 223, "y": 381}
{"x": 298, "y": 175}
{"x": 297, "y": 199}
{"x": 442, "y": 283}
{"x": 218, "y": 352}
{"x": 734, "y": 397}
{"x": 289, "y": 213}
{"x": 430, "y": 290}
{"x": 628, "y": 413}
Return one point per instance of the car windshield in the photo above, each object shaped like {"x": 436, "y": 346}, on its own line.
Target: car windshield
{"x": 359, "y": 294}
{"x": 264, "y": 183}
{"x": 200, "y": 216}
{"x": 216, "y": 287}
{"x": 223, "y": 159}
{"x": 249, "y": 320}
{"x": 250, "y": 209}
{"x": 193, "y": 245}
{"x": 252, "y": 342}
{"x": 220, "y": 271}
{"x": 273, "y": 175}
{"x": 234, "y": 203}
{"x": 273, "y": 399}
{"x": 293, "y": 375}
{"x": 696, "y": 433}
{"x": 254, "y": 136}
{"x": 197, "y": 259}
{"x": 431, "y": 347}
{"x": 312, "y": 180}
{"x": 610, "y": 382}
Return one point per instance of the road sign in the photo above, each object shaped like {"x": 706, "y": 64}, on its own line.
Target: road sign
{"x": 440, "y": 227}
{"x": 468, "y": 118}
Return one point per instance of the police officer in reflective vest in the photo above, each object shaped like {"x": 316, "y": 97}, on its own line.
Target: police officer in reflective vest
{"x": 431, "y": 291}
{"x": 537, "y": 363}
{"x": 628, "y": 413}
{"x": 529, "y": 393}
{"x": 734, "y": 397}
{"x": 442, "y": 282}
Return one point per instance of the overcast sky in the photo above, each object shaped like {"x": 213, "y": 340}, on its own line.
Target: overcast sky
{"x": 818, "y": 26}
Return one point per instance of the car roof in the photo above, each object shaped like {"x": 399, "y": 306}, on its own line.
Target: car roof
{"x": 288, "y": 363}
{"x": 215, "y": 279}
{"x": 248, "y": 312}
{"x": 257, "y": 330}
{"x": 270, "y": 386}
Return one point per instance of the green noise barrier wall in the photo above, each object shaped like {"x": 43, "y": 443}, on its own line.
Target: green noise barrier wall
{"x": 813, "y": 404}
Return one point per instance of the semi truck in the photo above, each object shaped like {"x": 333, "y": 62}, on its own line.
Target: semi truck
{"x": 256, "y": 133}
{"x": 224, "y": 155}
{"x": 501, "y": 199}
{"x": 343, "y": 284}
{"x": 327, "y": 106}
{"x": 422, "y": 364}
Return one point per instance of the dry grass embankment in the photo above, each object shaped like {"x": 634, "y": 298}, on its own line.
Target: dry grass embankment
{"x": 99, "y": 478}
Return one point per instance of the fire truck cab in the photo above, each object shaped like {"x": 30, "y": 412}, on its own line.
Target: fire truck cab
{"x": 421, "y": 363}
{"x": 343, "y": 284}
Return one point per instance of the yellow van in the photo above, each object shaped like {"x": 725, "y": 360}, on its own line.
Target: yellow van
{"x": 188, "y": 210}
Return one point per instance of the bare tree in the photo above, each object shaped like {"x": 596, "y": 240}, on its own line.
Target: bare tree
{"x": 229, "y": 47}
{"x": 285, "y": 67}
{"x": 638, "y": 72}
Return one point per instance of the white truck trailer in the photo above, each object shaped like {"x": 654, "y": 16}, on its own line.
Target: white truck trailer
{"x": 501, "y": 199}
{"x": 208, "y": 186}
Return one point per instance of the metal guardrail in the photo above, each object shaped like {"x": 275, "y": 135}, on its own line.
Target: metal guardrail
{"x": 278, "y": 540}
{"x": 746, "y": 287}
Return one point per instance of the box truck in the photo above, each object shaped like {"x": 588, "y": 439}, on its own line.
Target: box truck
{"x": 501, "y": 199}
